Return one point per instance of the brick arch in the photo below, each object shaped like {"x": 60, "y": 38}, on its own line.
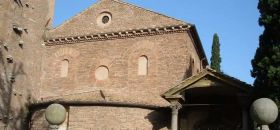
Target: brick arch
{"x": 157, "y": 50}
{"x": 64, "y": 67}
{"x": 62, "y": 54}
{"x": 52, "y": 66}
{"x": 94, "y": 65}
{"x": 150, "y": 51}
{"x": 136, "y": 54}
{"x": 143, "y": 48}
{"x": 143, "y": 67}
{"x": 67, "y": 52}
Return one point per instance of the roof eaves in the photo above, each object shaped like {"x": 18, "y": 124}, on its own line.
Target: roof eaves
{"x": 184, "y": 84}
{"x": 208, "y": 71}
{"x": 241, "y": 84}
{"x": 199, "y": 45}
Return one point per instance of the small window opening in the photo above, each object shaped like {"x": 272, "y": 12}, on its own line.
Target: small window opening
{"x": 143, "y": 65}
{"x": 102, "y": 73}
{"x": 64, "y": 68}
{"x": 105, "y": 19}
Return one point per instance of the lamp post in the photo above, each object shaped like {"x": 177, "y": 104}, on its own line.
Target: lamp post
{"x": 264, "y": 111}
{"x": 55, "y": 115}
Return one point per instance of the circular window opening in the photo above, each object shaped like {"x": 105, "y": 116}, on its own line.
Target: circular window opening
{"x": 102, "y": 73}
{"x": 105, "y": 19}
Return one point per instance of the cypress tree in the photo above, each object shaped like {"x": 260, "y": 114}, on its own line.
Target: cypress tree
{"x": 266, "y": 63}
{"x": 215, "y": 58}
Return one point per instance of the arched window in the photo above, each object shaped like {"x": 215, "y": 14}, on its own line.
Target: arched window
{"x": 102, "y": 73}
{"x": 143, "y": 65}
{"x": 193, "y": 65}
{"x": 64, "y": 66}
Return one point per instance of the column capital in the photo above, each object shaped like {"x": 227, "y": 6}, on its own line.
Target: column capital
{"x": 175, "y": 105}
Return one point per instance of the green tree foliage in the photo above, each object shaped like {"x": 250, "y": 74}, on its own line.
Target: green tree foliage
{"x": 215, "y": 58}
{"x": 266, "y": 63}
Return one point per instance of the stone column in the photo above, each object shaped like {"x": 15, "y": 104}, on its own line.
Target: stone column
{"x": 243, "y": 102}
{"x": 244, "y": 119}
{"x": 175, "y": 106}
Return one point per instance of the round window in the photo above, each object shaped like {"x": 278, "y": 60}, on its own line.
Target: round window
{"x": 105, "y": 19}
{"x": 102, "y": 73}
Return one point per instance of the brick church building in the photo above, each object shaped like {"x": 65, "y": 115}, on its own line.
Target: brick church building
{"x": 116, "y": 66}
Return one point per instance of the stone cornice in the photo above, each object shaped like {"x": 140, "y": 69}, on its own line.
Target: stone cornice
{"x": 118, "y": 35}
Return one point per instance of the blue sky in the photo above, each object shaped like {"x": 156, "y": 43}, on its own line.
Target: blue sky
{"x": 235, "y": 21}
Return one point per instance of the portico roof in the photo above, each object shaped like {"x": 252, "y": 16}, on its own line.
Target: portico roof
{"x": 209, "y": 78}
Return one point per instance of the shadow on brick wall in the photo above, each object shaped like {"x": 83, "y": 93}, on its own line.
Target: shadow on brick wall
{"x": 160, "y": 119}
{"x": 13, "y": 105}
{"x": 189, "y": 70}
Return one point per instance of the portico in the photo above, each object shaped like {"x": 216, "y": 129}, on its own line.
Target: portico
{"x": 209, "y": 101}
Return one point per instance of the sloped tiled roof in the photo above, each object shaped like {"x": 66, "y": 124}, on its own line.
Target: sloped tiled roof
{"x": 208, "y": 72}
{"x": 107, "y": 97}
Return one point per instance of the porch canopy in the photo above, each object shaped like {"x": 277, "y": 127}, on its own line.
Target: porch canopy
{"x": 205, "y": 91}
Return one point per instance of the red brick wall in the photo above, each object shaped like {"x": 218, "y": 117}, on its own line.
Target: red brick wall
{"x": 117, "y": 118}
{"x": 38, "y": 66}
{"x": 38, "y": 121}
{"x": 27, "y": 58}
{"x": 168, "y": 61}
{"x": 108, "y": 118}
